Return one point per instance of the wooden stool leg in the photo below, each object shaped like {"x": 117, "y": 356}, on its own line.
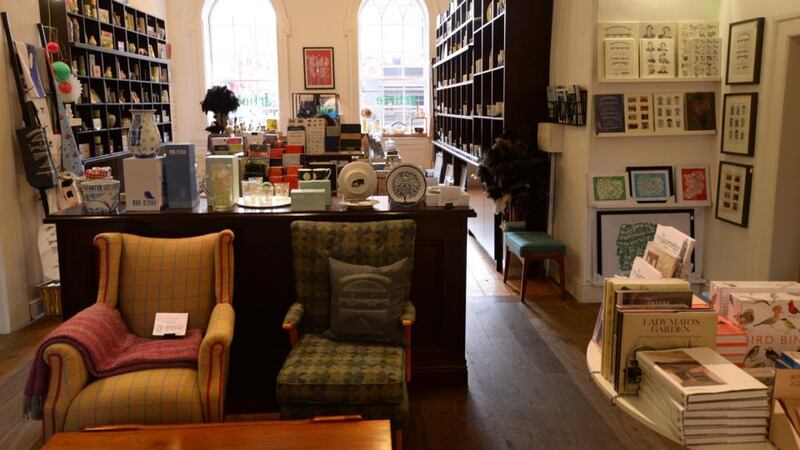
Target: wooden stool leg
{"x": 398, "y": 439}
{"x": 507, "y": 262}
{"x": 524, "y": 282}
{"x": 562, "y": 276}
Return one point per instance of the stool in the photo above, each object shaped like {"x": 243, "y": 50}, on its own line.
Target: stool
{"x": 530, "y": 246}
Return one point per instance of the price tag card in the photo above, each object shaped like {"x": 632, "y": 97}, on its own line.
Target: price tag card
{"x": 170, "y": 324}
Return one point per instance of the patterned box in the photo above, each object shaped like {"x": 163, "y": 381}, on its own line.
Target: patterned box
{"x": 180, "y": 171}
{"x": 772, "y": 324}
{"x": 721, "y": 292}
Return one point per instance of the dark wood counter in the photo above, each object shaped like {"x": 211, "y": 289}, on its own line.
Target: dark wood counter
{"x": 264, "y": 282}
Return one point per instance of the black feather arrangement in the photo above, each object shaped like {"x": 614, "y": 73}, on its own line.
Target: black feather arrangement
{"x": 221, "y": 101}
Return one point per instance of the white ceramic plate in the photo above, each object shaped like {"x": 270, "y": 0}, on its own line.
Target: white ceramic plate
{"x": 359, "y": 204}
{"x": 357, "y": 181}
{"x": 263, "y": 202}
{"x": 406, "y": 184}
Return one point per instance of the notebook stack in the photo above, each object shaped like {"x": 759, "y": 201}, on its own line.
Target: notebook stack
{"x": 731, "y": 342}
{"x": 704, "y": 397}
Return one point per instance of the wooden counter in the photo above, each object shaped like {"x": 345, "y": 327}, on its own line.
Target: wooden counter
{"x": 264, "y": 282}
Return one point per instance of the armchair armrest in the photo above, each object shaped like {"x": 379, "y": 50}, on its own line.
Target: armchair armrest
{"x": 408, "y": 318}
{"x": 213, "y": 361}
{"x": 292, "y": 319}
{"x": 68, "y": 376}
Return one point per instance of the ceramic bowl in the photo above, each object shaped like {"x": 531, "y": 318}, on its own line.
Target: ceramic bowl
{"x": 100, "y": 196}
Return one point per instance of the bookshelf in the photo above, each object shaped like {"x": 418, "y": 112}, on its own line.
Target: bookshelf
{"x": 120, "y": 56}
{"x": 490, "y": 74}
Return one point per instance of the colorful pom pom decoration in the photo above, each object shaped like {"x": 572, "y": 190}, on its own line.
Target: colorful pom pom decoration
{"x": 62, "y": 71}
{"x": 65, "y": 87}
{"x": 53, "y": 47}
{"x": 75, "y": 91}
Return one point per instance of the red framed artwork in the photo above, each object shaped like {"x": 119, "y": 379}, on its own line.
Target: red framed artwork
{"x": 319, "y": 68}
{"x": 694, "y": 186}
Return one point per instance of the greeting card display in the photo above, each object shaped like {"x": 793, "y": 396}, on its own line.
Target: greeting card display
{"x": 701, "y": 111}
{"x": 657, "y": 59}
{"x": 613, "y": 30}
{"x": 621, "y": 58}
{"x": 699, "y": 50}
{"x": 668, "y": 109}
{"x": 693, "y": 185}
{"x": 609, "y": 113}
{"x": 740, "y": 113}
{"x": 638, "y": 113}
{"x": 650, "y": 184}
{"x": 658, "y": 30}
{"x": 733, "y": 193}
{"x": 609, "y": 190}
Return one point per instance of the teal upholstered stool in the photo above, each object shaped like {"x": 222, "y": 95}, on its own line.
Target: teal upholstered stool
{"x": 529, "y": 246}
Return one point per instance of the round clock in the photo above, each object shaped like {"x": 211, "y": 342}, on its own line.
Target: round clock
{"x": 406, "y": 185}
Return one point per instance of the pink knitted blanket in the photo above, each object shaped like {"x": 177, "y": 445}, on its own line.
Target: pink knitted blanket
{"x": 102, "y": 337}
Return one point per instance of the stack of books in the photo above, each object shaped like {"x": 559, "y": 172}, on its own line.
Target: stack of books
{"x": 731, "y": 342}
{"x": 704, "y": 397}
{"x": 668, "y": 255}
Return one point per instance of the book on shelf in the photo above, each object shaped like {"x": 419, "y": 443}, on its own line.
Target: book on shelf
{"x": 721, "y": 292}
{"x": 649, "y": 329}
{"x": 604, "y": 328}
{"x": 697, "y": 377}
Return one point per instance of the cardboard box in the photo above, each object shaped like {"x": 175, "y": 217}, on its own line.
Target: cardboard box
{"x": 144, "y": 184}
{"x": 781, "y": 431}
{"x": 180, "y": 172}
{"x": 772, "y": 324}
{"x": 721, "y": 292}
{"x": 308, "y": 200}
{"x": 325, "y": 185}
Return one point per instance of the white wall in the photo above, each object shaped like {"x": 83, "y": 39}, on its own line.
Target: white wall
{"x": 301, "y": 23}
{"x": 20, "y": 270}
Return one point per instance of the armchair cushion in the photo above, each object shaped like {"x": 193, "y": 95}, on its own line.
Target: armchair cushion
{"x": 322, "y": 371}
{"x": 294, "y": 315}
{"x": 367, "y": 301}
{"x": 153, "y": 396}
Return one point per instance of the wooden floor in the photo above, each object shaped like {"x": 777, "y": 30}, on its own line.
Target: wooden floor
{"x": 528, "y": 383}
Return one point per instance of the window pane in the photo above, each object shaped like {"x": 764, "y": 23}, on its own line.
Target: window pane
{"x": 244, "y": 55}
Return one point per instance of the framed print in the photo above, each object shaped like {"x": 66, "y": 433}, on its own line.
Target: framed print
{"x": 739, "y": 119}
{"x": 693, "y": 185}
{"x": 638, "y": 113}
{"x": 733, "y": 193}
{"x": 609, "y": 190}
{"x": 650, "y": 184}
{"x": 701, "y": 111}
{"x": 623, "y": 235}
{"x": 745, "y": 41}
{"x": 613, "y": 30}
{"x": 318, "y": 68}
{"x": 621, "y": 58}
{"x": 668, "y": 112}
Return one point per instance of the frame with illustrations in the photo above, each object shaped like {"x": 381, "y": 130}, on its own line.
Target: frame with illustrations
{"x": 733, "y": 193}
{"x": 745, "y": 43}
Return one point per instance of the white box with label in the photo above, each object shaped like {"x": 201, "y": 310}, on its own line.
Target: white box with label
{"x": 144, "y": 184}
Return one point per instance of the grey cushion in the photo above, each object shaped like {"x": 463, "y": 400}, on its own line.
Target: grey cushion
{"x": 367, "y": 301}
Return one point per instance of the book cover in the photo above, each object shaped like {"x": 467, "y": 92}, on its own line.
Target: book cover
{"x": 721, "y": 292}
{"x": 657, "y": 58}
{"x": 701, "y": 111}
{"x": 644, "y": 271}
{"x": 657, "y": 330}
{"x": 608, "y": 308}
{"x": 695, "y": 375}
{"x": 729, "y": 334}
{"x": 771, "y": 321}
{"x": 621, "y": 58}
{"x": 678, "y": 245}
{"x": 662, "y": 261}
{"x": 626, "y": 298}
{"x": 609, "y": 113}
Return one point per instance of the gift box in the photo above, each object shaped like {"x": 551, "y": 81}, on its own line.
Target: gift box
{"x": 180, "y": 170}
{"x": 325, "y": 185}
{"x": 308, "y": 200}
{"x": 721, "y": 292}
{"x": 144, "y": 184}
{"x": 222, "y": 185}
{"x": 772, "y": 324}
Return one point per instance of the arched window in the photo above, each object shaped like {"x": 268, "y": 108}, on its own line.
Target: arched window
{"x": 242, "y": 53}
{"x": 393, "y": 59}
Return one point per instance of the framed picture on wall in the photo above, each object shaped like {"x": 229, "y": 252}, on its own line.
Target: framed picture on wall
{"x": 739, "y": 119}
{"x": 745, "y": 40}
{"x": 623, "y": 235}
{"x": 733, "y": 193}
{"x": 651, "y": 184}
{"x": 318, "y": 65}
{"x": 693, "y": 185}
{"x": 609, "y": 190}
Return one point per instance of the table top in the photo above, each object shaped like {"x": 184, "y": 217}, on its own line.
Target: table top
{"x": 644, "y": 413}
{"x": 383, "y": 208}
{"x": 285, "y": 435}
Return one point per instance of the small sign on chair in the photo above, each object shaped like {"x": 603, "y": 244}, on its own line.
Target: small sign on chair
{"x": 170, "y": 324}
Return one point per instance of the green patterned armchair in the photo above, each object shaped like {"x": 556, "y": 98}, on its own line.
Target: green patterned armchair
{"x": 325, "y": 377}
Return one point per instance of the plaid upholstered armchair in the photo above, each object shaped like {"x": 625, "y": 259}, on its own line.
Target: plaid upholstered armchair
{"x": 327, "y": 377}
{"x": 142, "y": 276}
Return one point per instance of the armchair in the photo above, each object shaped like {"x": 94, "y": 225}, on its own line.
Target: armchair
{"x": 326, "y": 377}
{"x": 140, "y": 276}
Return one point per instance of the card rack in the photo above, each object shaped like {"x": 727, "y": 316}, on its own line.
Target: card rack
{"x": 570, "y": 110}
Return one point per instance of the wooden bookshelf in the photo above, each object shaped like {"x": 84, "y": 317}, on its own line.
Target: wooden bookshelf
{"x": 133, "y": 46}
{"x": 469, "y": 75}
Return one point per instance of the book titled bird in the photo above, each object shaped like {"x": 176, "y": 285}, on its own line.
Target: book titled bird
{"x": 772, "y": 323}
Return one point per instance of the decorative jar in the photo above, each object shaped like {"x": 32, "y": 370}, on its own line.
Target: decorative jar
{"x": 144, "y": 139}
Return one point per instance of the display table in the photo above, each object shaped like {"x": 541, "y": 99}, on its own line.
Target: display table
{"x": 284, "y": 435}
{"x": 641, "y": 411}
{"x": 264, "y": 282}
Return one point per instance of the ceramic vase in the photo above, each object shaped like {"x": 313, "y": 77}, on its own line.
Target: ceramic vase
{"x": 144, "y": 139}
{"x": 100, "y": 196}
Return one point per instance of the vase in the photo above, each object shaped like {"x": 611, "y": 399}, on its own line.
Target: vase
{"x": 144, "y": 139}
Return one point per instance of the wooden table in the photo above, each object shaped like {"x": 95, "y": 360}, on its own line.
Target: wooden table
{"x": 264, "y": 282}
{"x": 284, "y": 435}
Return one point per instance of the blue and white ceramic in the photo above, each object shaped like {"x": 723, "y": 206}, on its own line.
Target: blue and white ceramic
{"x": 100, "y": 196}
{"x": 144, "y": 139}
